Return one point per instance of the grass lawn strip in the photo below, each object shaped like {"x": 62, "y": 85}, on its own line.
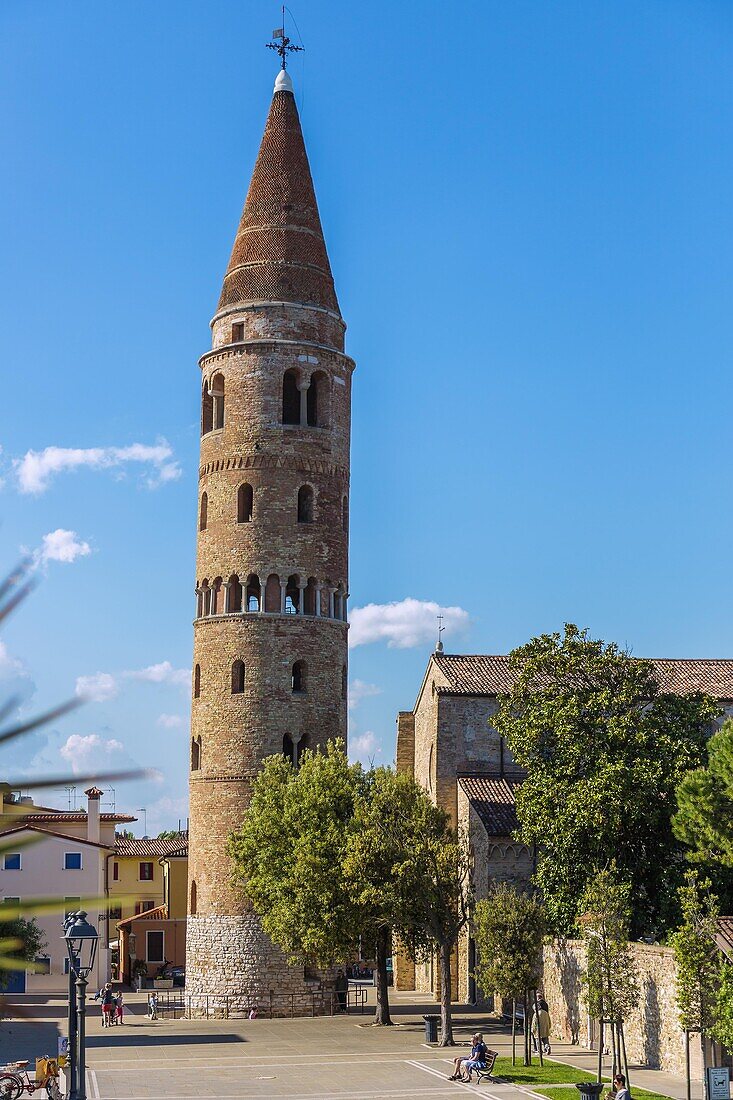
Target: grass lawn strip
{"x": 552, "y": 1073}
{"x": 573, "y": 1094}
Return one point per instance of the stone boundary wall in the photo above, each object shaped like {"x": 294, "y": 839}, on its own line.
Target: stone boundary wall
{"x": 653, "y": 1034}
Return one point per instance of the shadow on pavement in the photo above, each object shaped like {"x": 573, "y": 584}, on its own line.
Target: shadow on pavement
{"x": 159, "y": 1039}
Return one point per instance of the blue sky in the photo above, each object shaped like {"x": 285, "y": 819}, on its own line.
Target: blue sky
{"x": 528, "y": 212}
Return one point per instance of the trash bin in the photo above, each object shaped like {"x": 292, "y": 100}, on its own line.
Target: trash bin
{"x": 590, "y": 1090}
{"x": 431, "y": 1028}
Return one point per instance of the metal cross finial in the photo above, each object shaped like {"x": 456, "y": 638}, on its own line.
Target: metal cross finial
{"x": 284, "y": 46}
{"x": 441, "y": 628}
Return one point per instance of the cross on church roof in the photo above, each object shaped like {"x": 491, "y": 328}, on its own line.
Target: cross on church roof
{"x": 284, "y": 46}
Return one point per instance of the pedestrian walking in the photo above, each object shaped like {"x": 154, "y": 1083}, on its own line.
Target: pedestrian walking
{"x": 541, "y": 1026}
{"x": 153, "y": 1006}
{"x": 341, "y": 986}
{"x": 119, "y": 1008}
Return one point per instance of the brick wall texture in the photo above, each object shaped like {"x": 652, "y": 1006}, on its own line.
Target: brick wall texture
{"x": 278, "y": 313}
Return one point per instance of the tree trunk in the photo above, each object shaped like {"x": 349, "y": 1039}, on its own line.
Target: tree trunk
{"x": 622, "y": 1045}
{"x": 381, "y": 1016}
{"x": 527, "y": 1031}
{"x": 687, "y": 1064}
{"x": 514, "y": 1031}
{"x": 446, "y": 1019}
{"x": 600, "y": 1049}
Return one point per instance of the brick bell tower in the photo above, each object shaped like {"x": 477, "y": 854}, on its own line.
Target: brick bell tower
{"x": 270, "y": 635}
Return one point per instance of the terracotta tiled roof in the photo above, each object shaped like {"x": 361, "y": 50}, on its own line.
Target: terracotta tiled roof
{"x": 29, "y": 827}
{"x": 60, "y": 815}
{"x": 151, "y": 847}
{"x": 724, "y": 937}
{"x": 159, "y": 913}
{"x": 279, "y": 252}
{"x": 493, "y": 799}
{"x": 180, "y": 853}
{"x": 491, "y": 675}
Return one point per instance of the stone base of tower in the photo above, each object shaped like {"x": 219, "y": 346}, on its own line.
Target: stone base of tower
{"x": 232, "y": 966}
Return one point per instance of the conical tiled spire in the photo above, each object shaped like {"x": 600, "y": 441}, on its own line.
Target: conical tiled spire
{"x": 279, "y": 253}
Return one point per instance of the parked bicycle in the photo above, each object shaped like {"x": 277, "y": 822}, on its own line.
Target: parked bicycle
{"x": 15, "y": 1079}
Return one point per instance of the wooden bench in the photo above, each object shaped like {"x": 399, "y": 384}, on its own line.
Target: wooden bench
{"x": 485, "y": 1074}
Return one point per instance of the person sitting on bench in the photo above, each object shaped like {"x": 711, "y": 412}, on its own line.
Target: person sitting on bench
{"x": 476, "y": 1060}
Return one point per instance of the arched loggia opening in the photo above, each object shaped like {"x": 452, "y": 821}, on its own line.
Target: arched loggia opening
{"x": 291, "y": 398}
{"x": 217, "y": 394}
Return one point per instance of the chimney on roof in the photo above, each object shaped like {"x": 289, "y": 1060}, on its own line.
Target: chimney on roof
{"x": 93, "y": 827}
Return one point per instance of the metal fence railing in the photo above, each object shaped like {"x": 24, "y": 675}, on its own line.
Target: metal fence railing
{"x": 319, "y": 1002}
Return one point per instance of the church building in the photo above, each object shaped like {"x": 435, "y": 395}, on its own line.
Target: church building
{"x": 447, "y": 743}
{"x": 270, "y": 631}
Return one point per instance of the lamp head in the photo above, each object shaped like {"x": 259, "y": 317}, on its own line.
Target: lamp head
{"x": 81, "y": 943}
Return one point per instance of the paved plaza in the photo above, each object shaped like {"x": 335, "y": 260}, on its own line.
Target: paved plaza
{"x": 332, "y": 1058}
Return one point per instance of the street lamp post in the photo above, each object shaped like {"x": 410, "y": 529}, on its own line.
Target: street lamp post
{"x": 81, "y": 945}
{"x": 71, "y": 1030}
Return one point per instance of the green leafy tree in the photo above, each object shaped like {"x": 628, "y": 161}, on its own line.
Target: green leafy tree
{"x": 697, "y": 957}
{"x": 379, "y": 861}
{"x": 604, "y": 751}
{"x": 704, "y": 818}
{"x": 722, "y": 1028}
{"x": 508, "y": 926}
{"x": 610, "y": 978}
{"x": 696, "y": 954}
{"x": 21, "y": 941}
{"x": 438, "y": 897}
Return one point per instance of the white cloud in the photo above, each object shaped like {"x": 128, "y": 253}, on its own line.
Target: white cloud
{"x": 165, "y": 813}
{"x": 365, "y": 747}
{"x": 358, "y": 690}
{"x": 162, "y": 673}
{"x": 61, "y": 545}
{"x": 89, "y": 752}
{"x": 403, "y": 624}
{"x": 97, "y": 688}
{"x": 36, "y": 469}
{"x": 169, "y": 721}
{"x": 10, "y": 666}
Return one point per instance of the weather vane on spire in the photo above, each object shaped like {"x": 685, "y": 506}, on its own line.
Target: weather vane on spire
{"x": 284, "y": 46}
{"x": 441, "y": 628}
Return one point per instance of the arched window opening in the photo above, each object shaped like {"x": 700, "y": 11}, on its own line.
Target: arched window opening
{"x": 292, "y": 596}
{"x": 217, "y": 394}
{"x": 217, "y": 597}
{"x": 291, "y": 398}
{"x": 309, "y": 597}
{"x": 293, "y": 748}
{"x": 345, "y": 514}
{"x": 237, "y": 677}
{"x": 272, "y": 593}
{"x": 203, "y": 511}
{"x": 207, "y": 410}
{"x": 316, "y": 400}
{"x": 245, "y": 499}
{"x": 254, "y": 593}
{"x": 205, "y": 597}
{"x": 194, "y": 899}
{"x": 197, "y": 682}
{"x": 195, "y": 754}
{"x": 235, "y": 594}
{"x": 305, "y": 504}
{"x": 299, "y": 678}
{"x": 344, "y": 682}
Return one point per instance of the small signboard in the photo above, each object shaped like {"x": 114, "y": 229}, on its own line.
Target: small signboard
{"x": 718, "y": 1083}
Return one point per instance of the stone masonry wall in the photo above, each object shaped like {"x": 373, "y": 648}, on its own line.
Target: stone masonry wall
{"x": 653, "y": 1034}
